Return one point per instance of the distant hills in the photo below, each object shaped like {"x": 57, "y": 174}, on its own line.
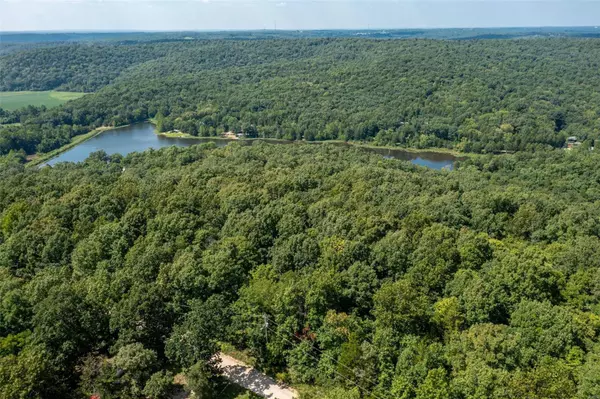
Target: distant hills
{"x": 456, "y": 33}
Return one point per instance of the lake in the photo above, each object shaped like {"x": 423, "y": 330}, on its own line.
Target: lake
{"x": 141, "y": 136}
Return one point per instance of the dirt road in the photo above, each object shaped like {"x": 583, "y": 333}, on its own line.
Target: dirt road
{"x": 253, "y": 380}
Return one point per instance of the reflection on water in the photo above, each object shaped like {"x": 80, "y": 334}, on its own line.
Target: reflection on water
{"x": 140, "y": 137}
{"x": 433, "y": 160}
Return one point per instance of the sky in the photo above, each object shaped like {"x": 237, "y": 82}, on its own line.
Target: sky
{"x": 180, "y": 15}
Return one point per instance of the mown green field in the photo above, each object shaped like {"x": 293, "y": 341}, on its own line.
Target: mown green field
{"x": 11, "y": 100}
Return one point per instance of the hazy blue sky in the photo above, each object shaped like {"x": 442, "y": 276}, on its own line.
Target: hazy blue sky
{"x": 69, "y": 15}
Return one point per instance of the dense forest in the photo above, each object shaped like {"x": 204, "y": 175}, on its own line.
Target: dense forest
{"x": 72, "y": 67}
{"x": 481, "y": 96}
{"x": 376, "y": 278}
{"x": 335, "y": 270}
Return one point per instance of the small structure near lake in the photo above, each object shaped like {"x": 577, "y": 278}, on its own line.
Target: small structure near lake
{"x": 572, "y": 142}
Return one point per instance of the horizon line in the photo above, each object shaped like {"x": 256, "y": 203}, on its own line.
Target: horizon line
{"x": 370, "y": 29}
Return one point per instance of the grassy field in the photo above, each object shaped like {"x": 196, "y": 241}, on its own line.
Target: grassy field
{"x": 11, "y": 100}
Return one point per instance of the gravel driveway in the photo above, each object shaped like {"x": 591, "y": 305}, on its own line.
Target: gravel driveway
{"x": 253, "y": 380}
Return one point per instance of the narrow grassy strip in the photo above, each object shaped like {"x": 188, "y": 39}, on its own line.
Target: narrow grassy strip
{"x": 38, "y": 159}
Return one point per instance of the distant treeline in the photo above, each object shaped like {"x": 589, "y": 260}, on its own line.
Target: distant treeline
{"x": 449, "y": 33}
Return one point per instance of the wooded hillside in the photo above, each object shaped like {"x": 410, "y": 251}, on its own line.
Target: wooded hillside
{"x": 378, "y": 279}
{"x": 472, "y": 96}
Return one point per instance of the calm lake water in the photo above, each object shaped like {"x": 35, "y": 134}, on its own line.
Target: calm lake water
{"x": 141, "y": 136}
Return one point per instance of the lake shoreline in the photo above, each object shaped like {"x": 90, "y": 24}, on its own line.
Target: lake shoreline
{"x": 38, "y": 159}
{"x": 77, "y": 140}
{"x": 359, "y": 144}
{"x": 436, "y": 150}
